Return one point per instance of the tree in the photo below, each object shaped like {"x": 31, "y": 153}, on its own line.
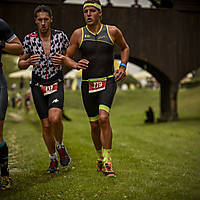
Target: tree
{"x": 162, "y": 3}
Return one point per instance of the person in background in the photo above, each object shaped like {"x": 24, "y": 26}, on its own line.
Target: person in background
{"x": 21, "y": 83}
{"x": 136, "y": 5}
{"x": 19, "y": 100}
{"x": 27, "y": 101}
{"x": 149, "y": 115}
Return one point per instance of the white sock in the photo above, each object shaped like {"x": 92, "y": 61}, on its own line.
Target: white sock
{"x": 59, "y": 146}
{"x": 53, "y": 156}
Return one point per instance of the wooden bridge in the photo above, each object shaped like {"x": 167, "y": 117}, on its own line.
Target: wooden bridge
{"x": 165, "y": 41}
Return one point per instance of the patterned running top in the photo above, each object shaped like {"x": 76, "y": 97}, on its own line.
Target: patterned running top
{"x": 45, "y": 72}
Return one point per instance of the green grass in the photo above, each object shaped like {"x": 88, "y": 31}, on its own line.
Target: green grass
{"x": 153, "y": 162}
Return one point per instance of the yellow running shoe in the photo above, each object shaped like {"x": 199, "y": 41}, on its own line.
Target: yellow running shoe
{"x": 5, "y": 182}
{"x": 107, "y": 170}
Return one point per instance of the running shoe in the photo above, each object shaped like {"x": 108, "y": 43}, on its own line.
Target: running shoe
{"x": 64, "y": 157}
{"x": 107, "y": 170}
{"x": 5, "y": 182}
{"x": 53, "y": 167}
{"x": 99, "y": 165}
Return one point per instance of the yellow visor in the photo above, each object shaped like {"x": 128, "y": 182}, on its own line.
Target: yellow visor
{"x": 92, "y": 4}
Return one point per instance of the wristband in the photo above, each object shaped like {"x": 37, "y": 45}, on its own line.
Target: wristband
{"x": 2, "y": 44}
{"x": 124, "y": 65}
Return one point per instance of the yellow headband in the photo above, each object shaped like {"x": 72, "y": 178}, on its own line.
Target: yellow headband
{"x": 92, "y": 4}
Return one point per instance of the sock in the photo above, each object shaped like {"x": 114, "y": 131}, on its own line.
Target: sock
{"x": 107, "y": 155}
{"x": 53, "y": 156}
{"x": 59, "y": 146}
{"x": 99, "y": 154}
{"x": 4, "y": 159}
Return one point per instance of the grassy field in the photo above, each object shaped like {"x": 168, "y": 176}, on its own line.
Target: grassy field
{"x": 158, "y": 161}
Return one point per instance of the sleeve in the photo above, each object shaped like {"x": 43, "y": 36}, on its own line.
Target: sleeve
{"x": 7, "y": 33}
{"x": 65, "y": 41}
{"x": 26, "y": 45}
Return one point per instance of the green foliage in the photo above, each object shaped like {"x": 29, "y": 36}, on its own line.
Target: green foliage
{"x": 197, "y": 75}
{"x": 10, "y": 65}
{"x": 153, "y": 162}
{"x": 130, "y": 80}
{"x": 195, "y": 80}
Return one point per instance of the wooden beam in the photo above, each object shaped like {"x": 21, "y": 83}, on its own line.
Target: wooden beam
{"x": 34, "y": 1}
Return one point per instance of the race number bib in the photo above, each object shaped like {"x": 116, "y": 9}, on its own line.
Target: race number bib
{"x": 49, "y": 89}
{"x": 95, "y": 86}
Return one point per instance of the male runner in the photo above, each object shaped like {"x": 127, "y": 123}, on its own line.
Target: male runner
{"x": 40, "y": 48}
{"x": 9, "y": 43}
{"x": 96, "y": 42}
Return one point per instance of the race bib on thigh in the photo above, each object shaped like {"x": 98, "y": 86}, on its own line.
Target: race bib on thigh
{"x": 49, "y": 89}
{"x": 95, "y": 86}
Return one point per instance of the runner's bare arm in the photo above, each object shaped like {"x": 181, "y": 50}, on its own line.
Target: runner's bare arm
{"x": 13, "y": 47}
{"x": 119, "y": 40}
{"x": 26, "y": 60}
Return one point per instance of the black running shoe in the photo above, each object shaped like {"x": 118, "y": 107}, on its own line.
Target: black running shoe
{"x": 53, "y": 167}
{"x": 64, "y": 157}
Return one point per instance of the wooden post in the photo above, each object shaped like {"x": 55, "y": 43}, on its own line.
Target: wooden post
{"x": 168, "y": 101}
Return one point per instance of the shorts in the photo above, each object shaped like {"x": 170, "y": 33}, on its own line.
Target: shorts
{"x": 44, "y": 103}
{"x": 93, "y": 102}
{"x": 3, "y": 95}
{"x": 3, "y": 102}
